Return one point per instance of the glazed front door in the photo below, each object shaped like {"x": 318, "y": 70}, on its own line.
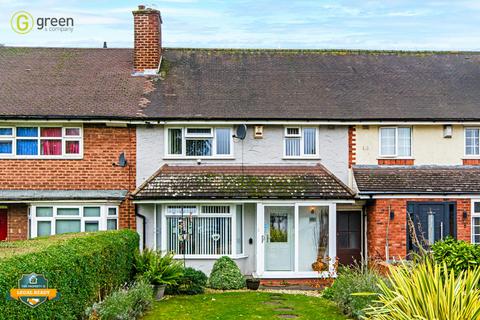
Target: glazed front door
{"x": 279, "y": 238}
{"x": 349, "y": 237}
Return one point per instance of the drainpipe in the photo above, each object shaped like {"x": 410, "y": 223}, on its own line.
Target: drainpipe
{"x": 144, "y": 227}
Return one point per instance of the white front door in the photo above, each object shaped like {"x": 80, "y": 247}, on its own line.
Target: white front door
{"x": 279, "y": 238}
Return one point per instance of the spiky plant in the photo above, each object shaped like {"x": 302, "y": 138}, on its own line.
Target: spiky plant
{"x": 428, "y": 291}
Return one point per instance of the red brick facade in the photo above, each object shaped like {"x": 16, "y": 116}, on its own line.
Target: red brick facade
{"x": 396, "y": 162}
{"x": 102, "y": 147}
{"x": 148, "y": 43}
{"x": 471, "y": 162}
{"x": 352, "y": 146}
{"x": 379, "y": 218}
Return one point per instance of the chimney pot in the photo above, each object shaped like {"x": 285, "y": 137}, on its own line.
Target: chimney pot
{"x": 104, "y": 44}
{"x": 141, "y": 7}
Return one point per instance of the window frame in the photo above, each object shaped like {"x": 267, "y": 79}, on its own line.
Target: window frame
{"x": 102, "y": 220}
{"x": 302, "y": 142}
{"x": 473, "y": 215}
{"x": 465, "y": 142}
{"x": 189, "y": 136}
{"x": 64, "y": 138}
{"x": 232, "y": 215}
{"x": 383, "y": 156}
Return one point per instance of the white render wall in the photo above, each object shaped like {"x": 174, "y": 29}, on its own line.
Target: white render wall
{"x": 333, "y": 141}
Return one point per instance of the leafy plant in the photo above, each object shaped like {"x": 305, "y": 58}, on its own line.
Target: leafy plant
{"x": 350, "y": 282}
{"x": 457, "y": 255}
{"x": 428, "y": 291}
{"x": 277, "y": 235}
{"x": 83, "y": 267}
{"x": 156, "y": 269}
{"x": 129, "y": 302}
{"x": 226, "y": 275}
{"x": 192, "y": 282}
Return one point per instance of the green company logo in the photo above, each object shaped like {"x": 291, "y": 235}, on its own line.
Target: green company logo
{"x": 22, "y": 22}
{"x": 33, "y": 290}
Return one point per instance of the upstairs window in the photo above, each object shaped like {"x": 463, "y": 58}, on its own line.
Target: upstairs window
{"x": 40, "y": 142}
{"x": 396, "y": 142}
{"x": 301, "y": 142}
{"x": 472, "y": 142}
{"x": 199, "y": 142}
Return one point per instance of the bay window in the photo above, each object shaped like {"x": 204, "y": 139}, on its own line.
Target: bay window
{"x": 472, "y": 141}
{"x": 396, "y": 142}
{"x": 204, "y": 230}
{"x": 46, "y": 220}
{"x": 200, "y": 142}
{"x": 40, "y": 142}
{"x": 301, "y": 142}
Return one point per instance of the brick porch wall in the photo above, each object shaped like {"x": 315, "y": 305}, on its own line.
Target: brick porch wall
{"x": 17, "y": 215}
{"x": 102, "y": 147}
{"x": 378, "y": 216}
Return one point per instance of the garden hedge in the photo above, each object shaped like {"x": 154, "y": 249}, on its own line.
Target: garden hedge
{"x": 83, "y": 267}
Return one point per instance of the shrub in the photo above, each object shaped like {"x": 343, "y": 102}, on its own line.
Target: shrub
{"x": 127, "y": 303}
{"x": 352, "y": 281}
{"x": 83, "y": 267}
{"x": 457, "y": 255}
{"x": 226, "y": 275}
{"x": 192, "y": 282}
{"x": 156, "y": 269}
{"x": 428, "y": 291}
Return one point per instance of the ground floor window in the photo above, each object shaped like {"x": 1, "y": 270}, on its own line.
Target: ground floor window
{"x": 204, "y": 230}
{"x": 51, "y": 219}
{"x": 476, "y": 222}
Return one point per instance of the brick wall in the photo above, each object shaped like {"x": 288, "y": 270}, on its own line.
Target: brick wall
{"x": 147, "y": 38}
{"x": 102, "y": 146}
{"x": 378, "y": 218}
{"x": 17, "y": 222}
{"x": 396, "y": 162}
{"x": 471, "y": 162}
{"x": 352, "y": 146}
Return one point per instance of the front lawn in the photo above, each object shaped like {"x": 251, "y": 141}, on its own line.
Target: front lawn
{"x": 244, "y": 305}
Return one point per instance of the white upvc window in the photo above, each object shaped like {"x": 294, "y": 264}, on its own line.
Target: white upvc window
{"x": 476, "y": 221}
{"x": 395, "y": 142}
{"x": 50, "y": 219}
{"x": 41, "y": 142}
{"x": 301, "y": 142}
{"x": 472, "y": 141}
{"x": 203, "y": 231}
{"x": 199, "y": 142}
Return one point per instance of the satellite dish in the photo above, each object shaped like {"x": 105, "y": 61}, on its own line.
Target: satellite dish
{"x": 241, "y": 132}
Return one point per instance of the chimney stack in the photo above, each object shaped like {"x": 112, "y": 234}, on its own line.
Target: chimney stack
{"x": 148, "y": 40}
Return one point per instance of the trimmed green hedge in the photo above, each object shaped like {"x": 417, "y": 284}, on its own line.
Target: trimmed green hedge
{"x": 83, "y": 267}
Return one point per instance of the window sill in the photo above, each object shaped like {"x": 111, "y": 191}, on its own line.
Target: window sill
{"x": 40, "y": 158}
{"x": 476, "y": 157}
{"x": 209, "y": 257}
{"x": 201, "y": 158}
{"x": 301, "y": 158}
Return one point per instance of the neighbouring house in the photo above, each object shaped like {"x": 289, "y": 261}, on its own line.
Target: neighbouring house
{"x": 284, "y": 160}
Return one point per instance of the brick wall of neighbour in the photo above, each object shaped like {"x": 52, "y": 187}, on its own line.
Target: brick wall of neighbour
{"x": 378, "y": 219}
{"x": 396, "y": 162}
{"x": 471, "y": 162}
{"x": 352, "y": 146}
{"x": 17, "y": 215}
{"x": 147, "y": 39}
{"x": 102, "y": 147}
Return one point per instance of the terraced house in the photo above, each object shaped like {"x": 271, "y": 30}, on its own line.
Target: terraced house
{"x": 284, "y": 160}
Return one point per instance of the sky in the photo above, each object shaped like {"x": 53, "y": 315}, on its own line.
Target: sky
{"x": 309, "y": 24}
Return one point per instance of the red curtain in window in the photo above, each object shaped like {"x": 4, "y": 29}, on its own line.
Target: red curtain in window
{"x": 51, "y": 132}
{"x": 73, "y": 147}
{"x": 51, "y": 147}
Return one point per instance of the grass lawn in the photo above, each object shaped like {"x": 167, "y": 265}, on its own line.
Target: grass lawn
{"x": 244, "y": 305}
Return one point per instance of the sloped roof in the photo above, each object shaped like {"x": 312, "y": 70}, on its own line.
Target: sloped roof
{"x": 61, "y": 82}
{"x": 249, "y": 182}
{"x": 417, "y": 179}
{"x": 323, "y": 85}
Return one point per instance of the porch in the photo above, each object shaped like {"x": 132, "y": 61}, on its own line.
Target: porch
{"x": 287, "y": 231}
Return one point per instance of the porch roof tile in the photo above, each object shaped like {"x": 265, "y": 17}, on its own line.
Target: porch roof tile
{"x": 417, "y": 179}
{"x": 248, "y": 182}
